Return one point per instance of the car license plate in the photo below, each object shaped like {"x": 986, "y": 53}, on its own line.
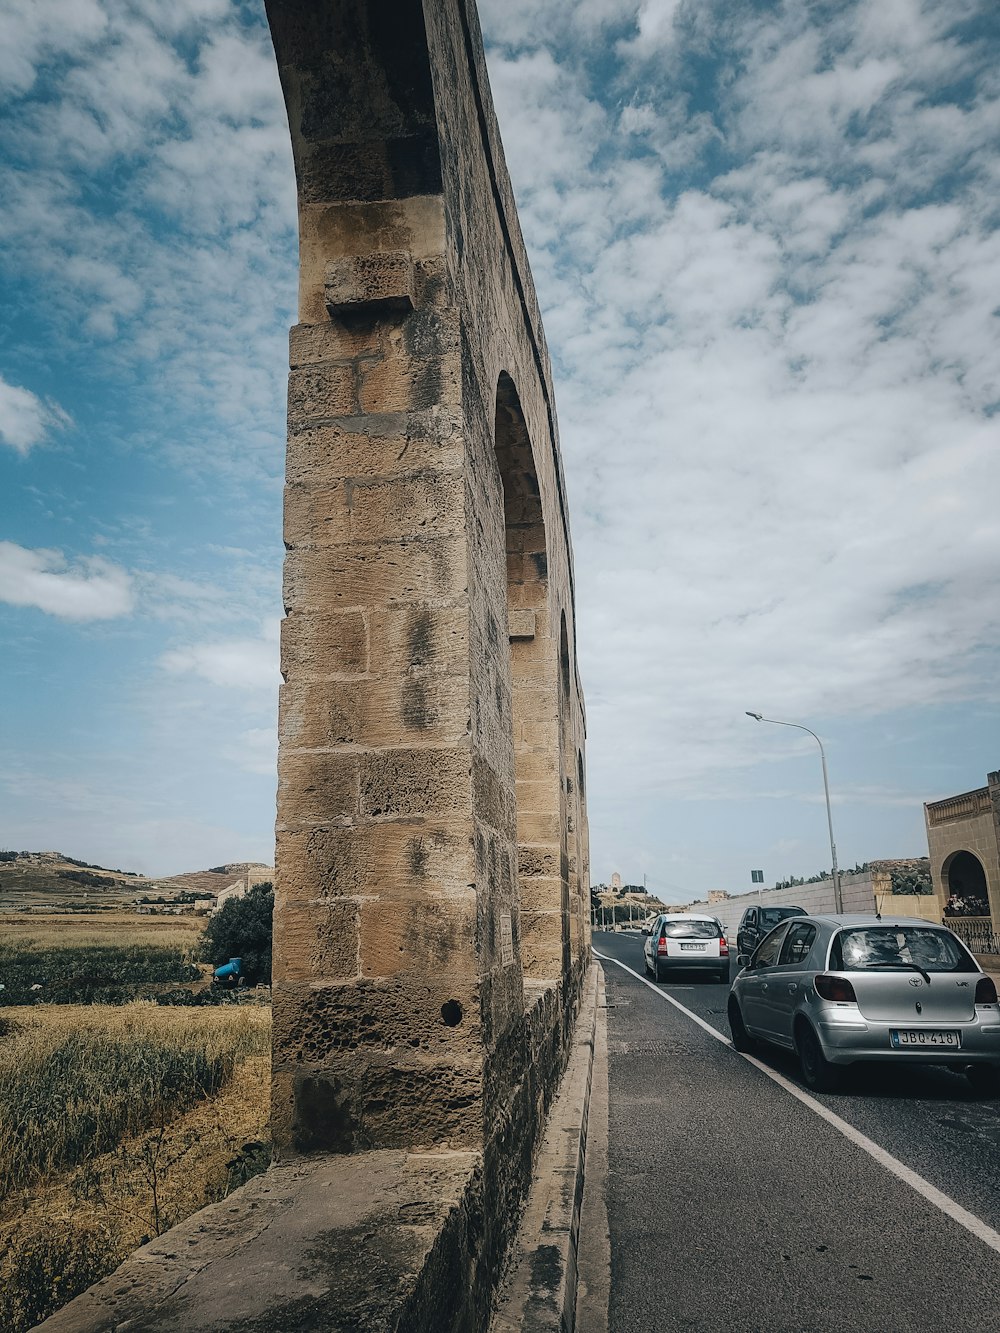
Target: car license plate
{"x": 909, "y": 1039}
{"x": 694, "y": 948}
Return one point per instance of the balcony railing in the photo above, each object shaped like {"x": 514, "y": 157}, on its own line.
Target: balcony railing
{"x": 966, "y": 806}
{"x": 976, "y": 932}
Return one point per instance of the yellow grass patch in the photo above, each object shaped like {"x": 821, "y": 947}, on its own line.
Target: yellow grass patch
{"x": 88, "y": 929}
{"x": 77, "y": 1223}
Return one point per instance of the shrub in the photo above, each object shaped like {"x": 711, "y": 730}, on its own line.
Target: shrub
{"x": 242, "y": 929}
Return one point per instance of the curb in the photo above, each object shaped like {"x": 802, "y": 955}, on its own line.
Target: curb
{"x": 539, "y": 1293}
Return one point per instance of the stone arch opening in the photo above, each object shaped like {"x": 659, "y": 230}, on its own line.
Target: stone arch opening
{"x": 965, "y": 880}
{"x": 535, "y": 698}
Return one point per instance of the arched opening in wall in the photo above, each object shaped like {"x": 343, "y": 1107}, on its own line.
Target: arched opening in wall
{"x": 965, "y": 880}
{"x": 534, "y": 702}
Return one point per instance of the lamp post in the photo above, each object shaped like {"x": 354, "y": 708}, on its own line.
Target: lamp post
{"x": 838, "y": 900}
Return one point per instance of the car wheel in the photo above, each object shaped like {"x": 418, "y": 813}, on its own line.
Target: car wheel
{"x": 723, "y": 977}
{"x": 742, "y": 1041}
{"x": 985, "y": 1079}
{"x": 657, "y": 974}
{"x": 817, "y": 1071}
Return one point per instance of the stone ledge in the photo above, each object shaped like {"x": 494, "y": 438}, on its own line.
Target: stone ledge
{"x": 539, "y": 1292}
{"x": 375, "y": 1241}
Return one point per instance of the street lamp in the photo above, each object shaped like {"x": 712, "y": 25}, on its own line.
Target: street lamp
{"x": 838, "y": 900}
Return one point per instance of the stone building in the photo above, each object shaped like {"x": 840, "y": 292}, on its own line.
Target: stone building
{"x": 963, "y": 838}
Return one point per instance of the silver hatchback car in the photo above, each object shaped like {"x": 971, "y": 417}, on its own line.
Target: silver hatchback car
{"x": 843, "y": 989}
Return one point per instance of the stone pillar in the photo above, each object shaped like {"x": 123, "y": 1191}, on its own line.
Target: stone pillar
{"x": 376, "y": 1024}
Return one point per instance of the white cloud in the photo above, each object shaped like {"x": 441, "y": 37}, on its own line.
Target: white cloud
{"x": 242, "y": 664}
{"x": 256, "y": 751}
{"x": 91, "y": 589}
{"x": 25, "y": 419}
{"x": 796, "y": 355}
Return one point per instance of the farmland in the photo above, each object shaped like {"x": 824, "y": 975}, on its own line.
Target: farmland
{"x": 121, "y": 1116}
{"x": 67, "y": 959}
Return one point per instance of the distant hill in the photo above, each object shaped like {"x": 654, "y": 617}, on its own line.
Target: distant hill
{"x": 41, "y": 880}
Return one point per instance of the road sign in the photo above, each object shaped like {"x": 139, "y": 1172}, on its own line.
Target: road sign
{"x": 756, "y": 877}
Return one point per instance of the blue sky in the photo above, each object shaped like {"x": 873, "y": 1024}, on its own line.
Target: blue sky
{"x": 765, "y": 239}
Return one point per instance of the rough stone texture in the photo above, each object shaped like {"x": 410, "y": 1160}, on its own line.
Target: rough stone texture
{"x": 431, "y": 835}
{"x": 379, "y": 1242}
{"x": 431, "y": 818}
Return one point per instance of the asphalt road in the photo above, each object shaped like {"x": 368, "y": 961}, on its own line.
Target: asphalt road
{"x": 732, "y": 1206}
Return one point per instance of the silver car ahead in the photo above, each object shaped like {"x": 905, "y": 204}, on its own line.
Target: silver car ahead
{"x": 843, "y": 989}
{"x": 684, "y": 941}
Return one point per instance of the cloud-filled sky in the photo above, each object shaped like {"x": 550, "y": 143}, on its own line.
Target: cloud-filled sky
{"x": 766, "y": 241}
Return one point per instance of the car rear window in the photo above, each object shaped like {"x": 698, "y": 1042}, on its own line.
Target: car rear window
{"x": 771, "y": 916}
{"x": 691, "y": 930}
{"x": 882, "y": 948}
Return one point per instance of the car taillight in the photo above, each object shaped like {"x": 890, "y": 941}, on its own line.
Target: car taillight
{"x": 986, "y": 991}
{"x": 835, "y": 988}
{"x": 723, "y": 946}
{"x": 661, "y": 944}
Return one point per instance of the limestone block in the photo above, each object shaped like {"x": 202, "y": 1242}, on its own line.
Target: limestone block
{"x": 419, "y": 937}
{"x": 382, "y": 446}
{"x": 320, "y": 645}
{"x": 541, "y": 943}
{"x": 403, "y": 383}
{"x": 538, "y": 827}
{"x": 364, "y": 576}
{"x": 316, "y": 516}
{"x": 537, "y": 765}
{"x": 377, "y": 711}
{"x": 435, "y": 638}
{"x": 369, "y": 1099}
{"x": 326, "y": 390}
{"x": 407, "y": 782}
{"x": 538, "y": 859}
{"x": 309, "y": 344}
{"x": 317, "y": 941}
{"x": 431, "y": 503}
{"x": 540, "y": 893}
{"x": 535, "y": 669}
{"x": 431, "y": 856}
{"x": 538, "y": 797}
{"x": 317, "y": 788}
{"x": 432, "y": 1020}
{"x": 493, "y": 799}
{"x": 521, "y": 623}
{"x": 375, "y": 281}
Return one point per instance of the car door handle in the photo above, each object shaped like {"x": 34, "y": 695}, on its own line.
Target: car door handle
{"x": 763, "y": 985}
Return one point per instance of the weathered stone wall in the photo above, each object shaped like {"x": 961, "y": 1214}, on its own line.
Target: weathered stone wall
{"x": 969, "y": 822}
{"x": 431, "y": 835}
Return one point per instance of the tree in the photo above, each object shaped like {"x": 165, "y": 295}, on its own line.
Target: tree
{"x": 242, "y": 929}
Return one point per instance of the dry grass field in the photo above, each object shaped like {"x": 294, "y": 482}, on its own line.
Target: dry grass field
{"x": 118, "y": 1122}
{"x": 68, "y": 930}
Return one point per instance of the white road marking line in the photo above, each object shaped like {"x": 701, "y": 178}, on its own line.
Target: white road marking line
{"x": 923, "y": 1187}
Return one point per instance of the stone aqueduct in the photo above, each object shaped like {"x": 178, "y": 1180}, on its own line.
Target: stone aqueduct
{"x": 431, "y": 847}
{"x": 432, "y": 897}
